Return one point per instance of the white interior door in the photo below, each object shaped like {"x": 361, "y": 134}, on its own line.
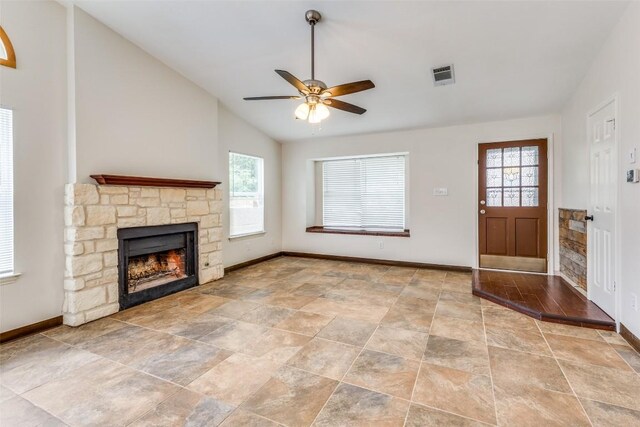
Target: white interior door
{"x": 601, "y": 239}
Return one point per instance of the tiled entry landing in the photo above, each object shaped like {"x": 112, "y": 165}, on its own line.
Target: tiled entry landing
{"x": 297, "y": 342}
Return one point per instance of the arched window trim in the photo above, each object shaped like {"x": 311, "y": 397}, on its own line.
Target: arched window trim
{"x": 8, "y": 47}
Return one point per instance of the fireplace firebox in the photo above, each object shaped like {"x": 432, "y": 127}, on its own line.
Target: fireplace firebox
{"x": 156, "y": 261}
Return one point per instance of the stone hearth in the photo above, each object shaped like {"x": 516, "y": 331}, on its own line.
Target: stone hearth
{"x": 94, "y": 213}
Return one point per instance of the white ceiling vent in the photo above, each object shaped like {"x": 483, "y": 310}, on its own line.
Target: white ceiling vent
{"x": 443, "y": 75}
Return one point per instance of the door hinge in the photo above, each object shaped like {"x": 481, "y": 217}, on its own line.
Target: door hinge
{"x": 613, "y": 123}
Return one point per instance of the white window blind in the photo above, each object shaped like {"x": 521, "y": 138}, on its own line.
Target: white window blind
{"x": 246, "y": 194}
{"x": 6, "y": 191}
{"x": 364, "y": 192}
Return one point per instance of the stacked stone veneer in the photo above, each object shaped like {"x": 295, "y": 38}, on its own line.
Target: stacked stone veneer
{"x": 93, "y": 214}
{"x": 573, "y": 245}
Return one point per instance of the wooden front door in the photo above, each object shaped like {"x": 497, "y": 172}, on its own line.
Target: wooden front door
{"x": 512, "y": 205}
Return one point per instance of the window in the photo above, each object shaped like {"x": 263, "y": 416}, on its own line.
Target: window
{"x": 512, "y": 176}
{"x": 246, "y": 195}
{"x": 364, "y": 193}
{"x": 6, "y": 192}
{"x": 7, "y": 55}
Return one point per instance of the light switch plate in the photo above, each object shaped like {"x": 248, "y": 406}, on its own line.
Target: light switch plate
{"x": 440, "y": 191}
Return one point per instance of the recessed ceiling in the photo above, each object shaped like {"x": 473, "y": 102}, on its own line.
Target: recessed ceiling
{"x": 512, "y": 59}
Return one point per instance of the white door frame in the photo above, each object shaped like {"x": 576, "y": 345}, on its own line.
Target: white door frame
{"x": 617, "y": 267}
{"x": 552, "y": 221}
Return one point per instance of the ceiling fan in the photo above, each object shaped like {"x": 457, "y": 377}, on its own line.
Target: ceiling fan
{"x": 317, "y": 97}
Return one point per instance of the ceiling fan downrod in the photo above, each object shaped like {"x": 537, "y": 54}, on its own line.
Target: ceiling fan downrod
{"x": 313, "y": 17}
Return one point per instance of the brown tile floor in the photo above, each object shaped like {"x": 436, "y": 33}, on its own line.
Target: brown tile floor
{"x": 298, "y": 342}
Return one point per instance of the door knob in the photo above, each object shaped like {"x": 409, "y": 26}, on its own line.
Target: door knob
{"x": 482, "y": 212}
{"x": 588, "y": 218}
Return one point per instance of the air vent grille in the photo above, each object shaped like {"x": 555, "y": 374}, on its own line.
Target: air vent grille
{"x": 443, "y": 75}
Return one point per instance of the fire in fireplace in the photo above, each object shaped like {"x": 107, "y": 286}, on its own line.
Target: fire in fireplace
{"x": 156, "y": 261}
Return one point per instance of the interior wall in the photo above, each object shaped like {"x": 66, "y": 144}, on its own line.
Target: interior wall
{"x": 238, "y": 136}
{"x": 36, "y": 91}
{"x": 135, "y": 115}
{"x": 443, "y": 229}
{"x": 615, "y": 71}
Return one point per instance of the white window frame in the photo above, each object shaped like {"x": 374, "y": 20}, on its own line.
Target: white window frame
{"x": 320, "y": 189}
{"x": 260, "y": 196}
{"x": 7, "y": 223}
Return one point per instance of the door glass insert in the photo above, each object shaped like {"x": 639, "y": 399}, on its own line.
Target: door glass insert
{"x": 512, "y": 176}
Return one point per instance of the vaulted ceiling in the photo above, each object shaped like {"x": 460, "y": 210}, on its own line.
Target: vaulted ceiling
{"x": 512, "y": 58}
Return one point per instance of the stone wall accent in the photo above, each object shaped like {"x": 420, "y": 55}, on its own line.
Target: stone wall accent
{"x": 93, "y": 214}
{"x": 573, "y": 245}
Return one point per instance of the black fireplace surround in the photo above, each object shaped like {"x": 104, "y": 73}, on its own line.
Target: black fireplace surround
{"x": 137, "y": 242}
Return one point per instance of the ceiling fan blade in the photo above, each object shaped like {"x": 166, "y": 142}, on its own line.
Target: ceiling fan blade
{"x": 261, "y": 98}
{"x": 348, "y": 88}
{"x": 293, "y": 80}
{"x": 340, "y": 105}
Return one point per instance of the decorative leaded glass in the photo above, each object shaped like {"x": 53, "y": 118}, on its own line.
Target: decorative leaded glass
{"x": 512, "y": 197}
{"x": 512, "y": 156}
{"x": 494, "y": 197}
{"x": 529, "y": 196}
{"x": 494, "y": 177}
{"x": 529, "y": 156}
{"x": 530, "y": 176}
{"x": 494, "y": 157}
{"x": 511, "y": 177}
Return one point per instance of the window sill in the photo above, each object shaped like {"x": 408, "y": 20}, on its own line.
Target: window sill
{"x": 241, "y": 236}
{"x": 327, "y": 230}
{"x": 9, "y": 278}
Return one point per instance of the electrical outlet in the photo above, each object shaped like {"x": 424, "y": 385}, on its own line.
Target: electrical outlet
{"x": 381, "y": 245}
{"x": 440, "y": 191}
{"x": 634, "y": 302}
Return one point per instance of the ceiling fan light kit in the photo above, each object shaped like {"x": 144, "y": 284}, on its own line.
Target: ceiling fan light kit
{"x": 317, "y": 96}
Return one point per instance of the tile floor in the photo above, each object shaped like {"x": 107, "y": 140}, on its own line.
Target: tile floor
{"x": 300, "y": 342}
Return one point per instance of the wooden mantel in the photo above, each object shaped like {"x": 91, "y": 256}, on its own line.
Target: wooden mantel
{"x": 144, "y": 181}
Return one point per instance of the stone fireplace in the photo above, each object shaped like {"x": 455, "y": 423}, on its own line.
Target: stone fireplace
{"x": 106, "y": 225}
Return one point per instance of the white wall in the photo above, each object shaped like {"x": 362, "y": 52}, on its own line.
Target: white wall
{"x": 237, "y": 135}
{"x": 443, "y": 229}
{"x": 135, "y": 115}
{"x": 36, "y": 91}
{"x": 615, "y": 71}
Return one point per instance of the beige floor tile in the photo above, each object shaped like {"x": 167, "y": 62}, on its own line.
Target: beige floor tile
{"x": 613, "y": 337}
{"x": 384, "y": 373}
{"x": 421, "y": 416}
{"x": 304, "y": 323}
{"x": 74, "y": 336}
{"x": 101, "y": 393}
{"x": 266, "y": 315}
{"x": 241, "y": 418}
{"x": 422, "y": 292}
{"x": 234, "y": 309}
{"x": 38, "y": 360}
{"x": 585, "y": 351}
{"x": 410, "y": 313}
{"x": 291, "y": 397}
{"x": 458, "y": 310}
{"x": 470, "y": 356}
{"x": 568, "y": 330}
{"x": 528, "y": 340}
{"x": 500, "y": 317}
{"x": 276, "y": 345}
{"x": 459, "y": 329}
{"x": 629, "y": 355}
{"x": 20, "y": 412}
{"x": 235, "y": 335}
{"x": 536, "y": 407}
{"x": 327, "y": 358}
{"x": 354, "y": 406}
{"x": 513, "y": 370}
{"x": 604, "y": 414}
{"x": 328, "y": 307}
{"x": 609, "y": 385}
{"x": 463, "y": 298}
{"x": 236, "y": 378}
{"x": 401, "y": 342}
{"x": 186, "y": 408}
{"x": 455, "y": 391}
{"x": 349, "y": 331}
